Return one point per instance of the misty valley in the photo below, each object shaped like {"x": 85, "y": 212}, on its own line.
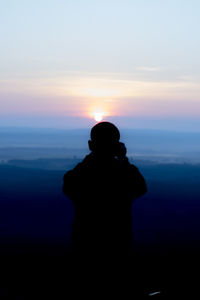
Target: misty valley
{"x": 36, "y": 218}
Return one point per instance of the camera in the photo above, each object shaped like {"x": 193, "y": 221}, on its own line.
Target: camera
{"x": 121, "y": 150}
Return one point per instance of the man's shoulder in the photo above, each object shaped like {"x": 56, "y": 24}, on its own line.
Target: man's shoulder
{"x": 126, "y": 164}
{"x": 79, "y": 167}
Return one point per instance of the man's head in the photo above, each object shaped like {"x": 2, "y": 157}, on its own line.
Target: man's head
{"x": 104, "y": 139}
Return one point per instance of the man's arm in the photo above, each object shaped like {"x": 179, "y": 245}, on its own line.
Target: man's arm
{"x": 71, "y": 183}
{"x": 135, "y": 180}
{"x": 73, "y": 180}
{"x": 68, "y": 184}
{"x": 134, "y": 177}
{"x": 139, "y": 183}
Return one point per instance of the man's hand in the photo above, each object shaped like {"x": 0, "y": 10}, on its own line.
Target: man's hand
{"x": 121, "y": 151}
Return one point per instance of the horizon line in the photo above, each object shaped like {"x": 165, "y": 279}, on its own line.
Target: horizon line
{"x": 88, "y": 128}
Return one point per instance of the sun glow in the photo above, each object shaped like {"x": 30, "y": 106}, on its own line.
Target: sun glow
{"x": 98, "y": 117}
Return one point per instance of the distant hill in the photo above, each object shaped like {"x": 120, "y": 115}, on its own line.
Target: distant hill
{"x": 45, "y": 164}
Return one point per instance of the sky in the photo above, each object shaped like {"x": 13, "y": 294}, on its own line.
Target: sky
{"x": 133, "y": 62}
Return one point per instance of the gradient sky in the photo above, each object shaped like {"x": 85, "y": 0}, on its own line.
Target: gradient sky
{"x": 135, "y": 61}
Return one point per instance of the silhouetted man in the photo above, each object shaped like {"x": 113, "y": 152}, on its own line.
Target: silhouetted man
{"x": 102, "y": 188}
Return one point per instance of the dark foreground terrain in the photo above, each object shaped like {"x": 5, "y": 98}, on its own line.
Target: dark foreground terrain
{"x": 35, "y": 232}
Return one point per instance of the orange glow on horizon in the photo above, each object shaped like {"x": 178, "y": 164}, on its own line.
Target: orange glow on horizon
{"x": 99, "y": 109}
{"x": 98, "y": 117}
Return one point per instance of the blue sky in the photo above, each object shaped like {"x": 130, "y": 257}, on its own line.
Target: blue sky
{"x": 127, "y": 60}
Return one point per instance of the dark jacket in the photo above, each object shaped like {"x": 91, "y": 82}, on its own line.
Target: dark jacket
{"x": 102, "y": 191}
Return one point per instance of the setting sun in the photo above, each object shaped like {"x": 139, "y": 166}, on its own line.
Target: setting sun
{"x": 98, "y": 117}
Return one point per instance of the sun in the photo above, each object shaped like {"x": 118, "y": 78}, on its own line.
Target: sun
{"x": 98, "y": 117}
